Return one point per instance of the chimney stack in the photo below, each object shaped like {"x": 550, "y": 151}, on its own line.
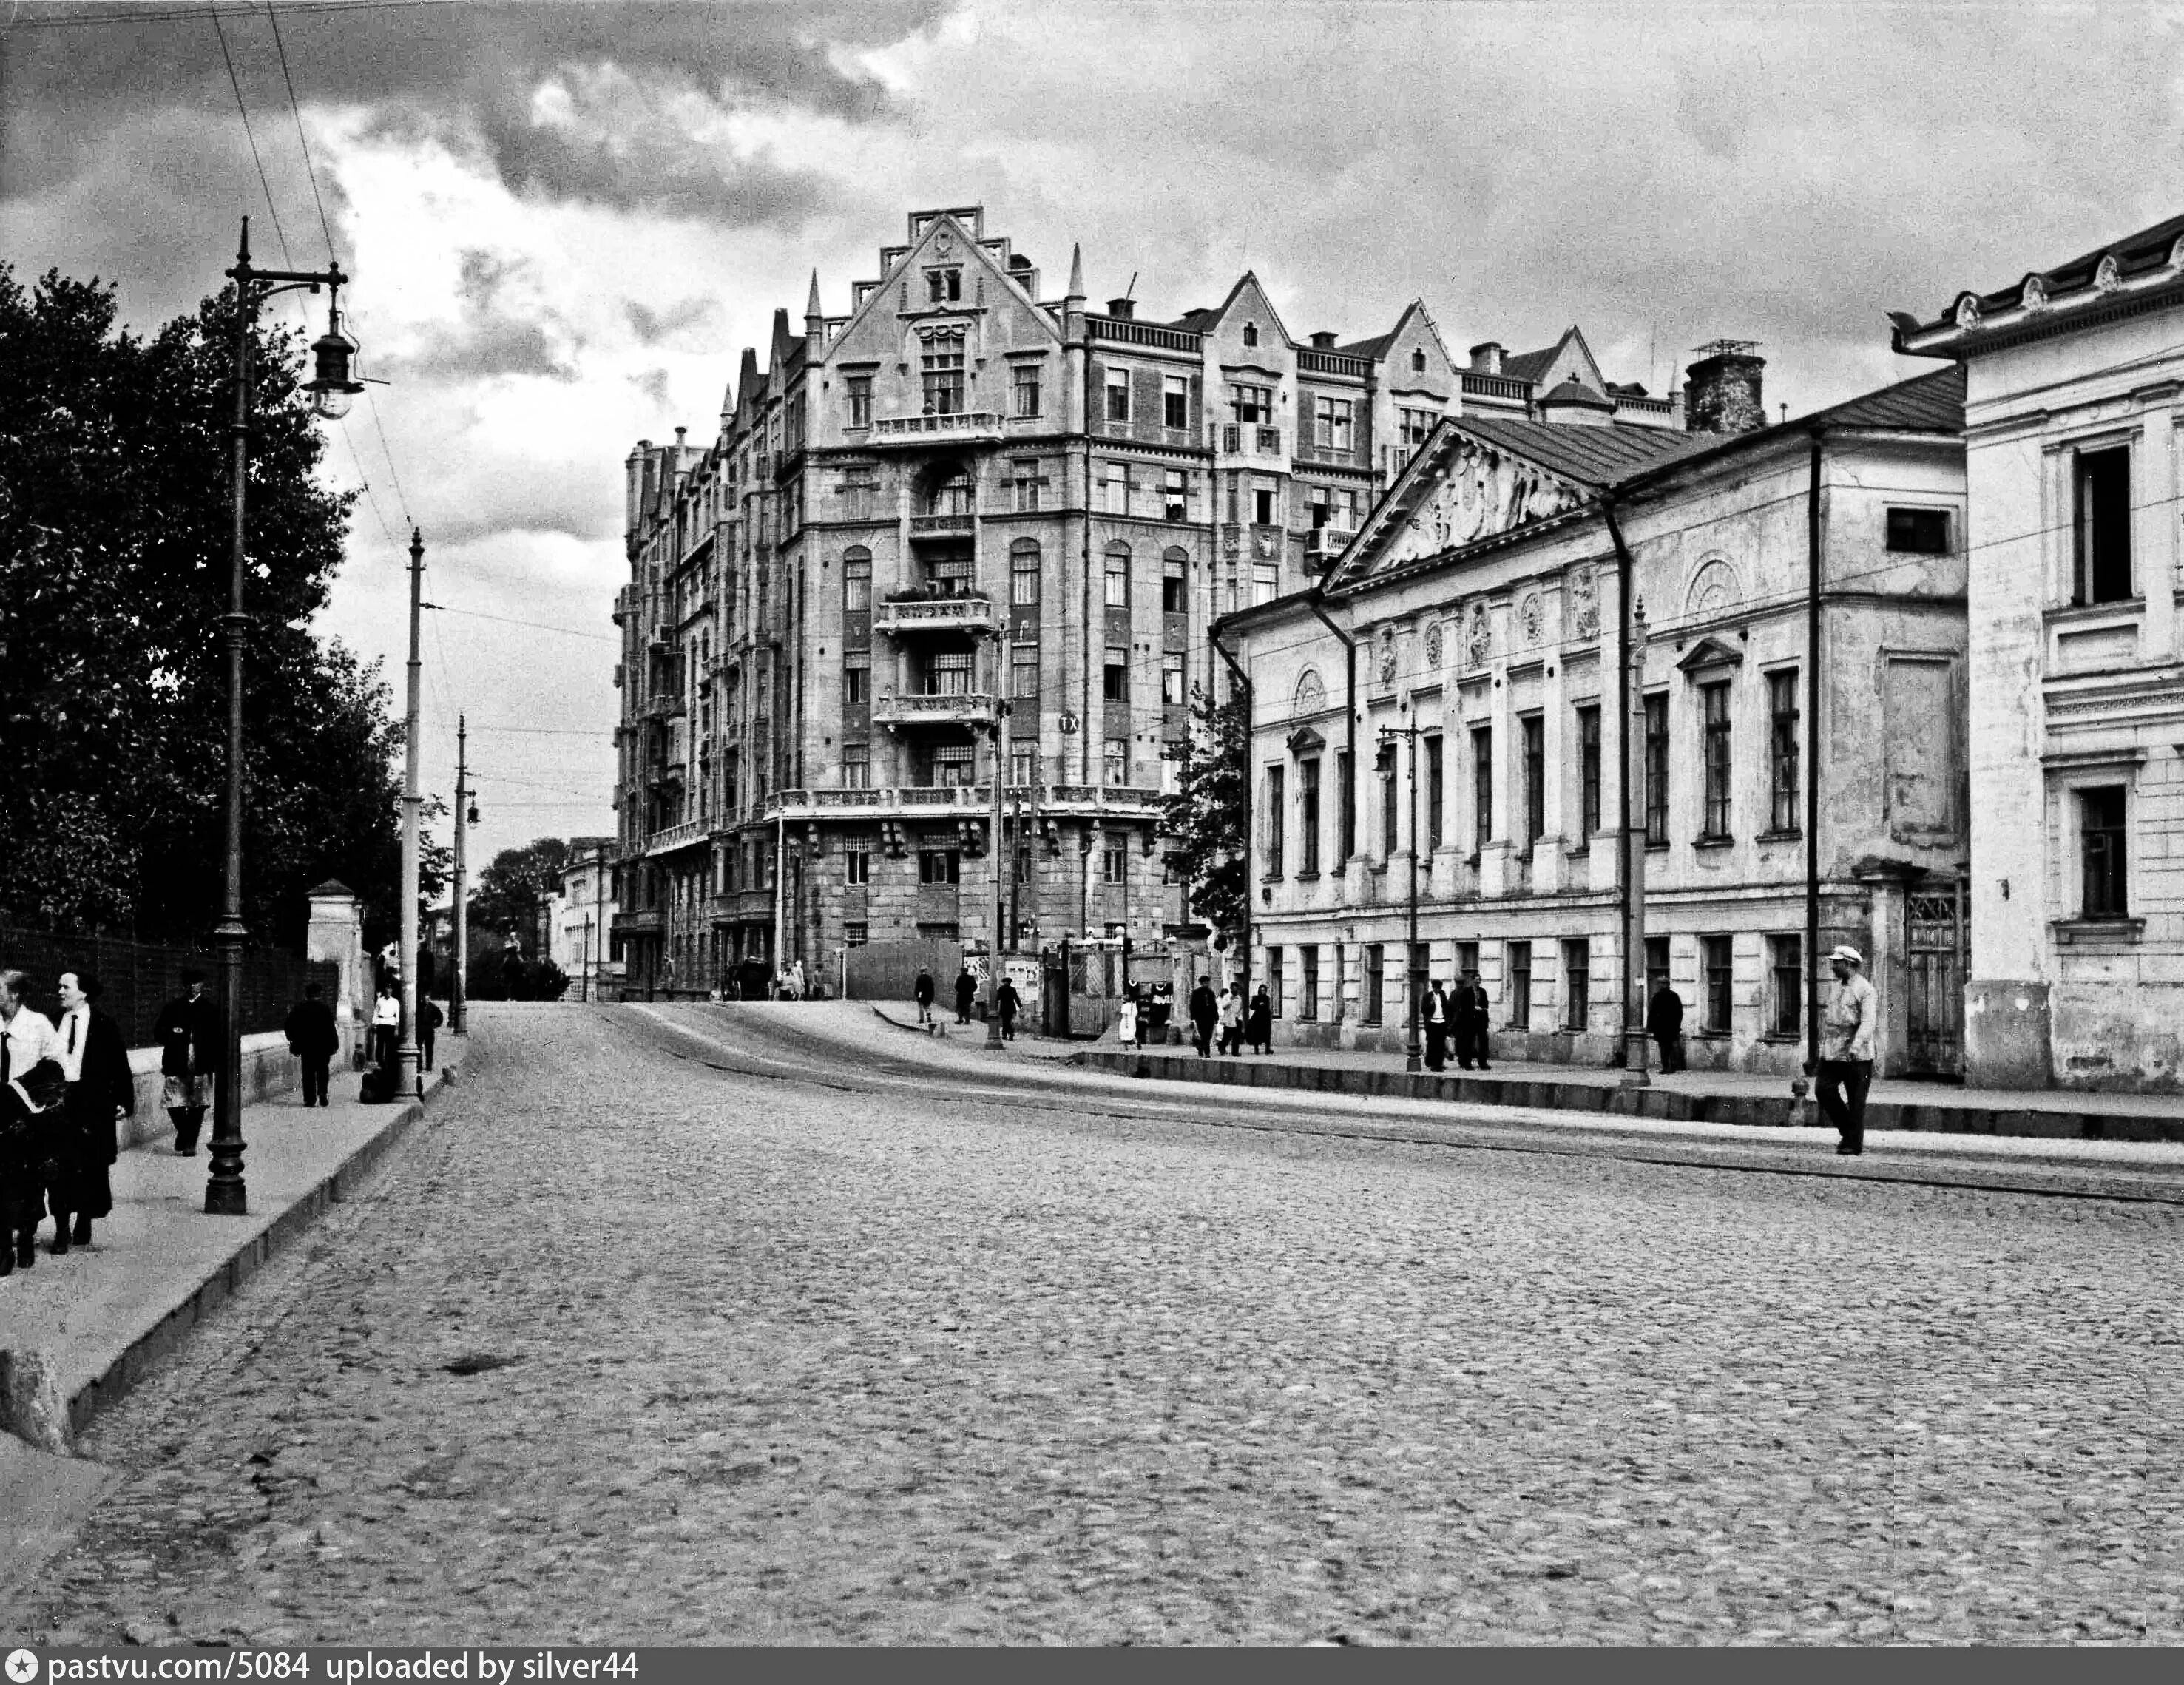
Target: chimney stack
{"x": 1486, "y": 358}
{"x": 1323, "y": 341}
{"x": 1122, "y": 309}
{"x": 1721, "y": 390}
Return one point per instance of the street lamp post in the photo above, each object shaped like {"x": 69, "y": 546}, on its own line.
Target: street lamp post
{"x": 226, "y": 1193}
{"x": 1633, "y": 859}
{"x": 409, "y": 1057}
{"x": 1001, "y": 867}
{"x": 1412, "y": 1054}
{"x": 466, "y": 816}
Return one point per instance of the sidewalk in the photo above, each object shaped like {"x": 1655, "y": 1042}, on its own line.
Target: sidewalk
{"x": 1688, "y": 1096}
{"x": 77, "y": 1332}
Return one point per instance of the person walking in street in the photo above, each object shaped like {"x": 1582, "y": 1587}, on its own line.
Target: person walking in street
{"x": 387, "y": 1025}
{"x": 429, "y": 1020}
{"x": 1846, "y": 1046}
{"x": 314, "y": 1039}
{"x": 923, "y": 991}
{"x": 1126, "y": 1021}
{"x": 967, "y": 990}
{"x": 1664, "y": 1023}
{"x": 32, "y": 1086}
{"x": 1259, "y": 1023}
{"x": 101, "y": 1091}
{"x": 511, "y": 968}
{"x": 1205, "y": 1013}
{"x": 1006, "y": 1001}
{"x": 1469, "y": 1014}
{"x": 1232, "y": 1022}
{"x": 1437, "y": 1022}
{"x": 187, "y": 1030}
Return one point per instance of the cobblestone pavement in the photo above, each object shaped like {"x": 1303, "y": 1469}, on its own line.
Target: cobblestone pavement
{"x": 622, "y": 1348}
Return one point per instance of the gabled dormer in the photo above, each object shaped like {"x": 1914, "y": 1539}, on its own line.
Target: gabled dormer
{"x": 1568, "y": 358}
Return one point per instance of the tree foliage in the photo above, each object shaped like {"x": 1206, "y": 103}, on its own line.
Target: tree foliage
{"x": 507, "y": 892}
{"x": 1207, "y": 820}
{"x": 115, "y": 536}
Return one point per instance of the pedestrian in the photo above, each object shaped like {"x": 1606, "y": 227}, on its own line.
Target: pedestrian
{"x": 1846, "y": 1044}
{"x": 1126, "y": 1021}
{"x": 1146, "y": 1011}
{"x": 1007, "y": 1002}
{"x": 1469, "y": 1014}
{"x": 1437, "y": 1027}
{"x": 390, "y": 962}
{"x": 429, "y": 1019}
{"x": 31, "y": 1087}
{"x": 101, "y": 1091}
{"x": 967, "y": 990}
{"x": 1232, "y": 1022}
{"x": 797, "y": 983}
{"x": 314, "y": 1039}
{"x": 511, "y": 968}
{"x": 187, "y": 1030}
{"x": 923, "y": 991}
{"x": 1664, "y": 1023}
{"x": 387, "y": 1025}
{"x": 1205, "y": 1013}
{"x": 1259, "y": 1023}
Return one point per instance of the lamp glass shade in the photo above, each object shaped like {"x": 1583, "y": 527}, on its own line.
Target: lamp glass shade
{"x": 329, "y": 403}
{"x": 332, "y": 389}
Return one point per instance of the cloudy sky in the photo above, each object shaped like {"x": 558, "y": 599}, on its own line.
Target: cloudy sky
{"x": 564, "y": 221}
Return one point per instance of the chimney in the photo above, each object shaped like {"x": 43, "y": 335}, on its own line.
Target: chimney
{"x": 1323, "y": 341}
{"x": 1721, "y": 390}
{"x": 1122, "y": 309}
{"x": 1486, "y": 358}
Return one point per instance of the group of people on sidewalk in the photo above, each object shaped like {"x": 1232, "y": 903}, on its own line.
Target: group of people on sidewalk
{"x": 1457, "y": 1019}
{"x": 65, "y": 1087}
{"x": 1008, "y": 1002}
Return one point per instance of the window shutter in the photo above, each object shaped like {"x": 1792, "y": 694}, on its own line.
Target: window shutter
{"x": 1145, "y": 403}
{"x": 1198, "y": 402}
{"x": 1095, "y": 395}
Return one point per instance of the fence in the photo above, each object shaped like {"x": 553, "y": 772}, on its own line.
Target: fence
{"x": 139, "y": 978}
{"x": 888, "y": 971}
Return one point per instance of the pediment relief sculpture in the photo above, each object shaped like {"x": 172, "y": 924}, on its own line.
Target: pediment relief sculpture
{"x": 1482, "y": 491}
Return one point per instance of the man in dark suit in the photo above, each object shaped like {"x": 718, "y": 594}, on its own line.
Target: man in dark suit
{"x": 1204, "y": 1013}
{"x": 1664, "y": 1023}
{"x": 187, "y": 1030}
{"x": 314, "y": 1039}
{"x": 1470, "y": 1014}
{"x": 102, "y": 1091}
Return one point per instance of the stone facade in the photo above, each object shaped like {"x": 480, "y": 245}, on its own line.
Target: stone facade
{"x": 1485, "y": 605}
{"x": 580, "y": 919}
{"x": 958, "y": 497}
{"x": 2076, "y": 388}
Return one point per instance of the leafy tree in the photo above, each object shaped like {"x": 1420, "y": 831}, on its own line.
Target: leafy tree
{"x": 508, "y": 893}
{"x": 114, "y": 544}
{"x": 1206, "y": 821}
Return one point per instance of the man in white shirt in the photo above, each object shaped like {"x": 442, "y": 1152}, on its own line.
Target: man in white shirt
{"x": 1848, "y": 1031}
{"x": 25, "y": 1038}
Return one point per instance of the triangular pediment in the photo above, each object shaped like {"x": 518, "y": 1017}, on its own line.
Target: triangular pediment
{"x": 1710, "y": 652}
{"x": 1460, "y": 487}
{"x": 874, "y": 328}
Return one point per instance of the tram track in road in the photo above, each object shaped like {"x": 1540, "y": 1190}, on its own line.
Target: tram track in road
{"x": 802, "y": 1057}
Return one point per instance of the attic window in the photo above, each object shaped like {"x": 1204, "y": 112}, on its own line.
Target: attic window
{"x": 943, "y": 285}
{"x": 1417, "y": 362}
{"x": 1251, "y": 334}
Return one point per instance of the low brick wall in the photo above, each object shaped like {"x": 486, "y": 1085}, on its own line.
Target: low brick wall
{"x": 268, "y": 1069}
{"x": 1670, "y": 1105}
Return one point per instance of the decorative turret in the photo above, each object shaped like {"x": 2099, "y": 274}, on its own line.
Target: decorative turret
{"x": 815, "y": 321}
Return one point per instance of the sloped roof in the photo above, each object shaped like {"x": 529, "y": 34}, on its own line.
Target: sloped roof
{"x": 1196, "y": 321}
{"x": 1596, "y": 456}
{"x": 1529, "y": 365}
{"x": 1575, "y": 391}
{"x": 2137, "y": 255}
{"x": 1367, "y": 347}
{"x": 1927, "y": 404}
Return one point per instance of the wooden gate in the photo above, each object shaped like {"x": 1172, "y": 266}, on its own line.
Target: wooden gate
{"x": 1934, "y": 951}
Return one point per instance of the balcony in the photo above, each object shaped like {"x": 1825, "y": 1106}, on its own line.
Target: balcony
{"x": 934, "y": 708}
{"x": 1326, "y": 543}
{"x": 1245, "y": 438}
{"x": 973, "y": 615}
{"x": 925, "y": 799}
{"x": 958, "y": 525}
{"x": 648, "y": 923}
{"x": 969, "y": 427}
{"x": 661, "y": 708}
{"x": 677, "y": 836}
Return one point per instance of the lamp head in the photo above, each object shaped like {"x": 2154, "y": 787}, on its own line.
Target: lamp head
{"x": 332, "y": 391}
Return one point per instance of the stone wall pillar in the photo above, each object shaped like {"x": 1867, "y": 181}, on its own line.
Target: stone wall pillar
{"x": 337, "y": 935}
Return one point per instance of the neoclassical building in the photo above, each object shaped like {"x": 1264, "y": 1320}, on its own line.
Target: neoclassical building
{"x": 963, "y": 497}
{"x": 2075, "y": 394}
{"x": 1457, "y": 697}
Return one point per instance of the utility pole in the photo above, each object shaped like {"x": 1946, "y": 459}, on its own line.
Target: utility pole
{"x": 409, "y": 1057}
{"x": 1001, "y": 874}
{"x": 599, "y": 902}
{"x": 1413, "y": 1059}
{"x": 1634, "y": 860}
{"x": 459, "y": 986}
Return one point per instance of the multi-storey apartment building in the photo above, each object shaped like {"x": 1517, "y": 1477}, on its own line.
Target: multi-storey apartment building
{"x": 959, "y": 500}
{"x": 2075, "y": 394}
{"x": 1459, "y": 696}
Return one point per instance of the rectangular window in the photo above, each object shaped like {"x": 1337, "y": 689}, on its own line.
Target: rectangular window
{"x": 1588, "y": 767}
{"x": 1116, "y": 488}
{"x": 2103, "y": 525}
{"x": 943, "y": 375}
{"x": 857, "y": 768}
{"x": 1534, "y": 729}
{"x": 1023, "y": 385}
{"x": 1175, "y": 495}
{"x": 1919, "y": 532}
{"x": 1519, "y": 967}
{"x": 1023, "y": 577}
{"x": 1346, "y": 796}
{"x": 1376, "y": 983}
{"x": 1433, "y": 791}
{"x": 1466, "y": 959}
{"x": 1115, "y": 866}
{"x": 1716, "y": 962}
{"x": 1274, "y": 979}
{"x": 943, "y": 286}
{"x": 1023, "y": 670}
{"x": 939, "y": 866}
{"x": 857, "y": 866}
{"x": 1785, "y": 964}
{"x": 1266, "y": 582}
{"x": 1027, "y": 483}
{"x": 1276, "y": 790}
{"x": 1657, "y": 770}
{"x": 953, "y": 766}
{"x": 1782, "y": 775}
{"x": 1262, "y": 504}
{"x": 1657, "y": 965}
{"x": 1115, "y": 761}
{"x": 1171, "y": 679}
{"x": 1119, "y": 579}
{"x": 948, "y": 576}
{"x": 1577, "y": 983}
{"x": 859, "y": 389}
{"x": 1416, "y": 424}
{"x": 857, "y": 679}
{"x": 1308, "y": 818}
{"x": 1023, "y": 862}
{"x": 1714, "y": 709}
{"x": 856, "y": 585}
{"x": 1114, "y": 676}
{"x": 1336, "y": 423}
{"x": 1482, "y": 786}
{"x": 1252, "y": 404}
{"x": 1384, "y": 766}
{"x": 1308, "y": 980}
{"x": 856, "y": 932}
{"x": 1173, "y": 600}
{"x": 1175, "y": 401}
{"x": 1119, "y": 394}
{"x": 2101, "y": 840}
{"x": 1023, "y": 767}
{"x": 948, "y": 674}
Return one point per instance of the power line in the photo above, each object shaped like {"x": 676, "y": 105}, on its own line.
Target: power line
{"x": 84, "y": 19}
{"x": 310, "y": 170}
{"x": 536, "y": 625}
{"x": 235, "y": 82}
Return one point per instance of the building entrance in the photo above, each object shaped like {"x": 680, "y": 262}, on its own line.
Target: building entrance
{"x": 1936, "y": 965}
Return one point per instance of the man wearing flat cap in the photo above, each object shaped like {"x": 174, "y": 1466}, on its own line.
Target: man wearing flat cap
{"x": 1847, "y": 1038}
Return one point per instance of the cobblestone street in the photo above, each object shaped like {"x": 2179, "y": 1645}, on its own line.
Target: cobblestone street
{"x": 621, "y": 1346}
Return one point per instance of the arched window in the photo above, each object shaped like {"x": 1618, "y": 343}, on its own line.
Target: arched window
{"x": 1118, "y": 575}
{"x": 1023, "y": 571}
{"x": 856, "y": 580}
{"x": 1175, "y": 572}
{"x": 952, "y": 494}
